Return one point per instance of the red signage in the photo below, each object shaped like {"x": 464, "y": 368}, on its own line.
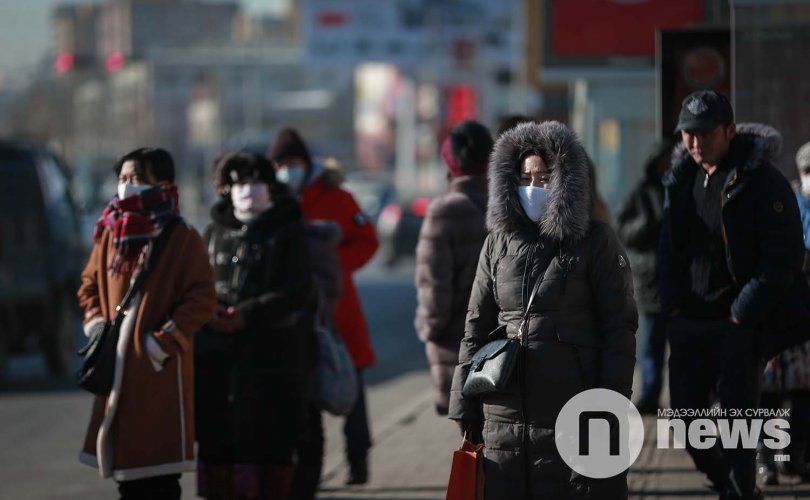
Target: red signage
{"x": 690, "y": 61}
{"x": 462, "y": 104}
{"x": 64, "y": 62}
{"x": 603, "y": 28}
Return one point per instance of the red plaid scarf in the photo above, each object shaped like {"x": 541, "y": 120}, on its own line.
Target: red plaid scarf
{"x": 134, "y": 220}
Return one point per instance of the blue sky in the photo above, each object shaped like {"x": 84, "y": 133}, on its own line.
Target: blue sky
{"x": 25, "y": 34}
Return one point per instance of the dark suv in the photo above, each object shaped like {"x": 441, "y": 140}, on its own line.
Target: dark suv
{"x": 40, "y": 256}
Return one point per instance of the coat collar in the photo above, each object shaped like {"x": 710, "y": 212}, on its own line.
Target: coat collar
{"x": 468, "y": 184}
{"x": 568, "y": 214}
{"x": 754, "y": 146}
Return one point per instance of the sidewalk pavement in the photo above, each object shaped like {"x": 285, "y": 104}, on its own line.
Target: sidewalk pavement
{"x": 414, "y": 447}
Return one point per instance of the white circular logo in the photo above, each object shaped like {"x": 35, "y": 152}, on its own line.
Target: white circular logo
{"x": 599, "y": 433}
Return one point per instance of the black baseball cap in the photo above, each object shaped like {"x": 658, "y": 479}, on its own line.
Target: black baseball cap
{"x": 704, "y": 110}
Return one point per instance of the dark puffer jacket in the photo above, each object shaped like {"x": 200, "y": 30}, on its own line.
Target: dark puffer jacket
{"x": 251, "y": 387}
{"x": 581, "y": 325}
{"x": 446, "y": 258}
{"x": 639, "y": 227}
{"x": 762, "y": 231}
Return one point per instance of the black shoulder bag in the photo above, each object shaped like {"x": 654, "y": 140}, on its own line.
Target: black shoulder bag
{"x": 492, "y": 366}
{"x": 97, "y": 372}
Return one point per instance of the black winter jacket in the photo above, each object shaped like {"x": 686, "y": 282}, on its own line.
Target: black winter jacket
{"x": 763, "y": 239}
{"x": 251, "y": 387}
{"x": 639, "y": 227}
{"x": 581, "y": 325}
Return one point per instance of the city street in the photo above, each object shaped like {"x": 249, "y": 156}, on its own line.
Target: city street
{"x": 42, "y": 424}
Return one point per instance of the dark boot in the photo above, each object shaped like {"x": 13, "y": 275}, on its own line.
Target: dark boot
{"x": 358, "y": 469}
{"x": 767, "y": 473}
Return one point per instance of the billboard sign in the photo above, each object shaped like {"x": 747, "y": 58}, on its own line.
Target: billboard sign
{"x": 610, "y": 33}
{"x": 409, "y": 32}
{"x": 688, "y": 61}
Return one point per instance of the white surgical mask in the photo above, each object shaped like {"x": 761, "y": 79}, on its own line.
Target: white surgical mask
{"x": 534, "y": 201}
{"x": 250, "y": 199}
{"x": 126, "y": 189}
{"x": 291, "y": 176}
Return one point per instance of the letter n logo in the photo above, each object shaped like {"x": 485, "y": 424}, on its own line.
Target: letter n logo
{"x": 585, "y": 419}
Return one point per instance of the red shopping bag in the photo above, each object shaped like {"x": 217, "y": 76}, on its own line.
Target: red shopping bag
{"x": 467, "y": 473}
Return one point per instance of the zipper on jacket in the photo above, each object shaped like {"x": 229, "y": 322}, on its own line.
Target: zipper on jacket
{"x": 524, "y": 341}
{"x": 723, "y": 197}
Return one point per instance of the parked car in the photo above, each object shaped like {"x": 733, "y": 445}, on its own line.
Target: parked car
{"x": 372, "y": 190}
{"x": 40, "y": 256}
{"x": 398, "y": 228}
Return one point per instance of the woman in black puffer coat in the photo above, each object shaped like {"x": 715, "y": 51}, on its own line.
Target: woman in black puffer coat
{"x": 253, "y": 361}
{"x": 581, "y": 324}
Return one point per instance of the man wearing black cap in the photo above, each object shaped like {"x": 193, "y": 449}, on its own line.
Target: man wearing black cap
{"x": 731, "y": 251}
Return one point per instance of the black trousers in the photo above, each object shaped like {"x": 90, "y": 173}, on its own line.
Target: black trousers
{"x": 151, "y": 488}
{"x": 307, "y": 472}
{"x": 716, "y": 358}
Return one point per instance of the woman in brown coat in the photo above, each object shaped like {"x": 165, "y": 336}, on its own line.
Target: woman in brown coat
{"x": 142, "y": 433}
{"x": 450, "y": 241}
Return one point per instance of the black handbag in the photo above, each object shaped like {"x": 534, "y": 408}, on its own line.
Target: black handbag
{"x": 97, "y": 372}
{"x": 492, "y": 366}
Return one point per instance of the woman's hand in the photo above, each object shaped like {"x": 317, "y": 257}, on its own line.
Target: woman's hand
{"x": 471, "y": 430}
{"x": 236, "y": 318}
{"x": 227, "y": 320}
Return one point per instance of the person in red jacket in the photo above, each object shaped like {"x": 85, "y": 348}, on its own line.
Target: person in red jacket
{"x": 322, "y": 198}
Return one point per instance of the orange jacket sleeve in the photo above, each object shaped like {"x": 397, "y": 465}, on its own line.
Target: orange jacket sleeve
{"x": 89, "y": 301}
{"x": 197, "y": 302}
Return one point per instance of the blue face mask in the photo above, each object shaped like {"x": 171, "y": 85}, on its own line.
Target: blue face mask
{"x": 291, "y": 176}
{"x": 534, "y": 201}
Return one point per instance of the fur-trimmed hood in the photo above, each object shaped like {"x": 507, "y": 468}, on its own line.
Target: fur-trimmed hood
{"x": 761, "y": 144}
{"x": 568, "y": 214}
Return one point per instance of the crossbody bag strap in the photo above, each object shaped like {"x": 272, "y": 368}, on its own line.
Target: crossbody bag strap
{"x": 157, "y": 247}
{"x": 547, "y": 262}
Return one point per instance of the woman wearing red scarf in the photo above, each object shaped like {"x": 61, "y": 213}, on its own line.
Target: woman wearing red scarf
{"x": 142, "y": 433}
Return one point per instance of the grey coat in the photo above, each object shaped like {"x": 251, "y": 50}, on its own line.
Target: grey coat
{"x": 446, "y": 258}
{"x": 581, "y": 324}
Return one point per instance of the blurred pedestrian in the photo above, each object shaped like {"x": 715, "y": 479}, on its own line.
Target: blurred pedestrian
{"x": 581, "y": 325}
{"x": 787, "y": 376}
{"x": 730, "y": 259}
{"x": 252, "y": 360}
{"x": 450, "y": 241}
{"x": 322, "y": 198}
{"x": 639, "y": 227}
{"x": 142, "y": 433}
{"x": 322, "y": 238}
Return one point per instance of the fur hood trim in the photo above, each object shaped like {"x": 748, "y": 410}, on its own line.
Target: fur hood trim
{"x": 765, "y": 144}
{"x": 568, "y": 214}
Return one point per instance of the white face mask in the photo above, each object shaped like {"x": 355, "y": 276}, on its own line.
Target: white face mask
{"x": 534, "y": 201}
{"x": 126, "y": 190}
{"x": 291, "y": 176}
{"x": 250, "y": 199}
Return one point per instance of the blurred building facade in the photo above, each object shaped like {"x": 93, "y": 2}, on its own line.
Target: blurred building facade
{"x": 378, "y": 83}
